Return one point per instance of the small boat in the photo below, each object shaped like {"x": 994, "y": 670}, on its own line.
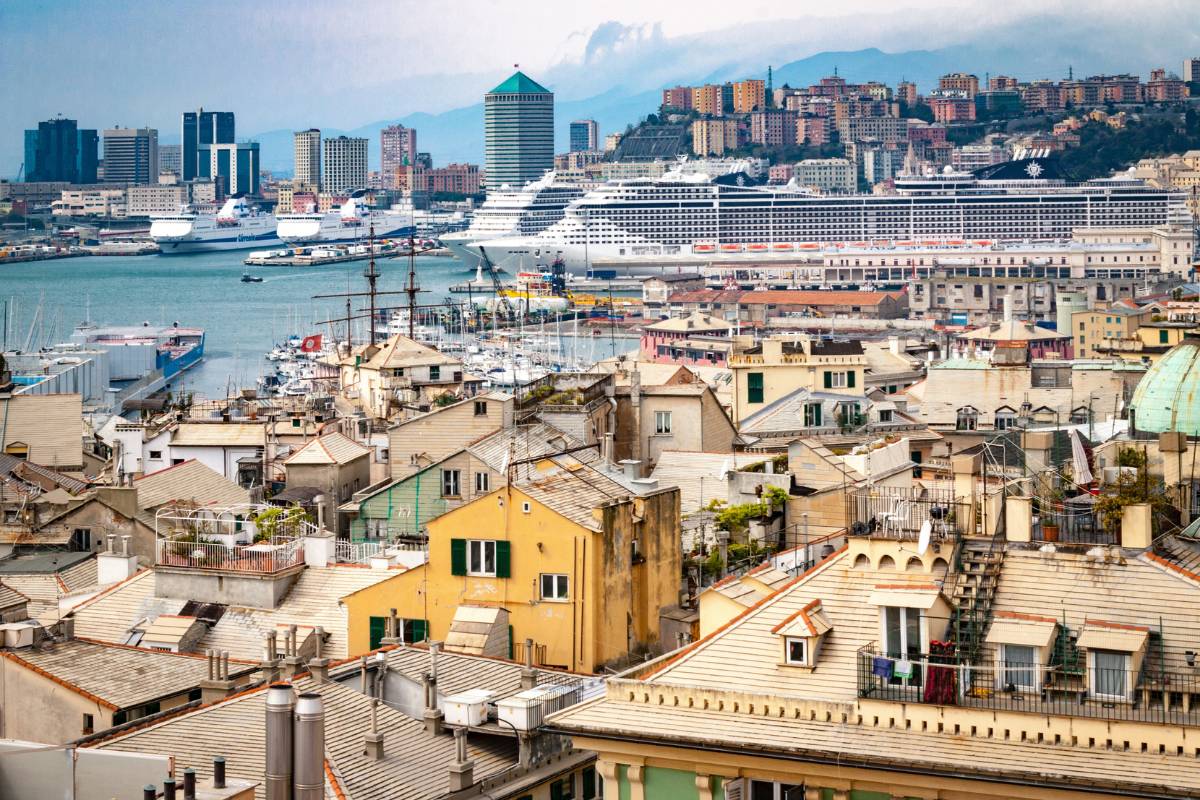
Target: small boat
{"x": 248, "y": 278}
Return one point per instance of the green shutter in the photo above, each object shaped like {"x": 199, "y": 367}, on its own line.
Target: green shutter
{"x": 828, "y": 379}
{"x": 512, "y": 645}
{"x": 420, "y": 630}
{"x": 817, "y": 415}
{"x": 458, "y": 556}
{"x": 850, "y": 379}
{"x": 589, "y": 783}
{"x": 378, "y": 629}
{"x": 503, "y": 559}
{"x": 754, "y": 387}
{"x": 556, "y": 792}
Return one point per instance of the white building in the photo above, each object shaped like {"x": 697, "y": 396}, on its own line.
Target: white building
{"x": 307, "y": 158}
{"x": 825, "y": 174}
{"x": 345, "y": 164}
{"x": 90, "y": 203}
{"x": 146, "y": 201}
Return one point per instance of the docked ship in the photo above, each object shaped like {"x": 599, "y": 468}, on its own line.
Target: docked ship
{"x": 514, "y": 212}
{"x": 236, "y": 226}
{"x": 646, "y": 226}
{"x": 355, "y": 221}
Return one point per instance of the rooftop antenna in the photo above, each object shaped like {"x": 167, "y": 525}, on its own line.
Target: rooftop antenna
{"x": 411, "y": 289}
{"x": 372, "y": 276}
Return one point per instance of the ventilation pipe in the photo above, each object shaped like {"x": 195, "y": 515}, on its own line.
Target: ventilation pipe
{"x": 630, "y": 467}
{"x": 280, "y": 705}
{"x": 529, "y": 675}
{"x": 462, "y": 771}
{"x": 433, "y": 715}
{"x": 373, "y": 741}
{"x": 309, "y": 748}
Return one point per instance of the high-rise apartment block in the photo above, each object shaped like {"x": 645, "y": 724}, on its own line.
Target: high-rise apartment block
{"x": 307, "y": 159}
{"x": 345, "y": 164}
{"x": 708, "y": 99}
{"x": 585, "y": 135}
{"x": 678, "y": 98}
{"x": 131, "y": 155}
{"x": 1191, "y": 69}
{"x": 906, "y": 93}
{"x": 398, "y": 148}
{"x": 1001, "y": 83}
{"x": 959, "y": 82}
{"x": 714, "y": 137}
{"x": 200, "y": 130}
{"x": 518, "y": 124}
{"x": 236, "y": 166}
{"x": 749, "y": 95}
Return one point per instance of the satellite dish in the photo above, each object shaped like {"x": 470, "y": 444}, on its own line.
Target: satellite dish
{"x": 923, "y": 539}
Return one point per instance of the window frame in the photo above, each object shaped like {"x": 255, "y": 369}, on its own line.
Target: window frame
{"x": 788, "y": 643}
{"x": 481, "y": 408}
{"x": 1094, "y": 675}
{"x": 659, "y": 418}
{"x": 455, "y": 476}
{"x": 477, "y": 554}
{"x": 483, "y": 483}
{"x": 560, "y": 584}
{"x": 1022, "y": 668}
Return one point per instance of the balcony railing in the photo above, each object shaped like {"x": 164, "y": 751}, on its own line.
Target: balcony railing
{"x": 358, "y": 552}
{"x": 265, "y": 557}
{"x": 900, "y": 513}
{"x": 1151, "y": 695}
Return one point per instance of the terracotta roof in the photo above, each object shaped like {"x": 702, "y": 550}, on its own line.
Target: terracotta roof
{"x": 814, "y": 298}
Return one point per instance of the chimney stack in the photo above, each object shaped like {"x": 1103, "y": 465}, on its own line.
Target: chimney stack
{"x": 373, "y": 741}
{"x": 394, "y": 630}
{"x": 319, "y": 666}
{"x": 529, "y": 675}
{"x": 270, "y": 663}
{"x": 217, "y": 686}
{"x": 309, "y": 748}
{"x": 291, "y": 657}
{"x": 280, "y": 703}
{"x": 630, "y": 468}
{"x": 189, "y": 784}
{"x": 433, "y": 715}
{"x": 462, "y": 771}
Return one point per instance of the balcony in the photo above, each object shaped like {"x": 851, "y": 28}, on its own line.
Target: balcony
{"x": 267, "y": 557}
{"x": 901, "y": 513}
{"x": 1148, "y": 695}
{"x": 260, "y": 540}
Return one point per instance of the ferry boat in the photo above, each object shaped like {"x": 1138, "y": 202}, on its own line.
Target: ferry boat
{"x": 514, "y": 212}
{"x": 353, "y": 222}
{"x": 645, "y": 226}
{"x": 237, "y": 226}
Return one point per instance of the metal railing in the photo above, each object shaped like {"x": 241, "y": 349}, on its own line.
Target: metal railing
{"x": 1151, "y": 695}
{"x": 358, "y": 552}
{"x": 900, "y": 513}
{"x": 266, "y": 557}
{"x": 1072, "y": 526}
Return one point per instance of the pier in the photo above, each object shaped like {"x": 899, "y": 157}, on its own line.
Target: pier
{"x": 318, "y": 255}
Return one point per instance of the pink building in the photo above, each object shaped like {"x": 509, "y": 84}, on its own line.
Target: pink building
{"x": 398, "y": 148}
{"x": 952, "y": 108}
{"x": 698, "y": 338}
{"x": 679, "y": 97}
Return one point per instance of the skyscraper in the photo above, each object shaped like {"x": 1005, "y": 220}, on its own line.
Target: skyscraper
{"x": 345, "y": 164}
{"x": 518, "y": 127}
{"x": 398, "y": 148}
{"x": 170, "y": 158}
{"x": 52, "y": 151}
{"x": 200, "y": 129}
{"x": 87, "y": 155}
{"x": 306, "y": 148}
{"x": 585, "y": 135}
{"x": 131, "y": 155}
{"x": 236, "y": 166}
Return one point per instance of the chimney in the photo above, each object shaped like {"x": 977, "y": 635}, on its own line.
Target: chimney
{"x": 462, "y": 771}
{"x": 270, "y": 663}
{"x": 116, "y": 563}
{"x": 394, "y": 630}
{"x": 217, "y": 686}
{"x": 433, "y": 715}
{"x": 529, "y": 675}
{"x": 319, "y": 665}
{"x": 291, "y": 654}
{"x": 280, "y": 704}
{"x": 630, "y": 467}
{"x": 373, "y": 741}
{"x": 309, "y": 748}
{"x": 122, "y": 499}
{"x": 607, "y": 449}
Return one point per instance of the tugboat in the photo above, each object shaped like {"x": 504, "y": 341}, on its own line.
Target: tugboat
{"x": 248, "y": 278}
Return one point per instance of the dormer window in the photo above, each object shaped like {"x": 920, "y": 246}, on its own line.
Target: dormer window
{"x": 802, "y": 634}
{"x": 966, "y": 419}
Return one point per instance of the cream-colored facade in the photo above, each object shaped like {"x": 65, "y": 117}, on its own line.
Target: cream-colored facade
{"x": 780, "y": 365}
{"x": 713, "y": 137}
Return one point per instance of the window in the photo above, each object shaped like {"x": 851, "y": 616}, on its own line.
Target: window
{"x": 81, "y": 539}
{"x": 967, "y": 419}
{"x": 902, "y": 638}
{"x": 795, "y": 651}
{"x": 383, "y": 455}
{"x": 1163, "y": 337}
{"x": 450, "y": 483}
{"x": 481, "y": 408}
{"x": 589, "y": 783}
{"x": 483, "y": 483}
{"x": 662, "y": 422}
{"x": 526, "y": 507}
{"x": 1005, "y": 419}
{"x": 157, "y": 454}
{"x": 435, "y": 373}
{"x": 754, "y": 387}
{"x": 1019, "y": 667}
{"x": 885, "y": 415}
{"x": 89, "y": 723}
{"x": 563, "y": 788}
{"x": 481, "y": 557}
{"x": 554, "y": 586}
{"x": 296, "y": 422}
{"x": 1110, "y": 674}
{"x": 812, "y": 415}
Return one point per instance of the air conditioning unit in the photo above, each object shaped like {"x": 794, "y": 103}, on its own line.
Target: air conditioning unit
{"x": 467, "y": 708}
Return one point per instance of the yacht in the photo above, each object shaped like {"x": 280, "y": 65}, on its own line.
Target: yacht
{"x": 647, "y": 226}
{"x": 237, "y": 226}
{"x": 514, "y": 212}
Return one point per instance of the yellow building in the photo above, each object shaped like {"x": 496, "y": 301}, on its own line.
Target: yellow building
{"x": 708, "y": 100}
{"x": 886, "y": 671}
{"x": 713, "y": 137}
{"x": 778, "y": 366}
{"x": 749, "y": 95}
{"x": 1093, "y": 330}
{"x": 567, "y": 554}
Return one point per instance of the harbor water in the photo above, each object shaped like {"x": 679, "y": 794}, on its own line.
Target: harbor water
{"x": 45, "y": 300}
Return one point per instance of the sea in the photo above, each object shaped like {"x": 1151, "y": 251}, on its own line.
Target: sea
{"x": 43, "y": 301}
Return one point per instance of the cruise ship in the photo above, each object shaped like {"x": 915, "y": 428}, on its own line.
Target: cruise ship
{"x": 514, "y": 212}
{"x": 353, "y": 222}
{"x": 640, "y": 227}
{"x": 237, "y": 226}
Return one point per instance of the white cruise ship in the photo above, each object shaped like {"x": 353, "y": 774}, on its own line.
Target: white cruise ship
{"x": 237, "y": 226}
{"x": 646, "y": 226}
{"x": 353, "y": 222}
{"x": 514, "y": 212}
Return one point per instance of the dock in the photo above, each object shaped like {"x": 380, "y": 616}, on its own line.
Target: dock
{"x": 318, "y": 255}
{"x": 588, "y": 285}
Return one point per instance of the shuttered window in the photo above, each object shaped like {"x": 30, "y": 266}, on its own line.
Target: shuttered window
{"x": 754, "y": 387}
{"x": 458, "y": 556}
{"x": 503, "y": 559}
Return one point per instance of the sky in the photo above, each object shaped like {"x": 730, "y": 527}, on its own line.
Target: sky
{"x": 346, "y": 64}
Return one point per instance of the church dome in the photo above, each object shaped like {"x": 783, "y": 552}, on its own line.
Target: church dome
{"x": 1168, "y": 396}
